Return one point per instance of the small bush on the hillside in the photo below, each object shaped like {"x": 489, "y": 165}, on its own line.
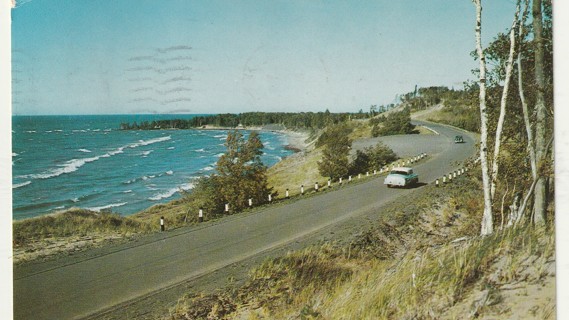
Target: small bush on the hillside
{"x": 395, "y": 123}
{"x": 372, "y": 158}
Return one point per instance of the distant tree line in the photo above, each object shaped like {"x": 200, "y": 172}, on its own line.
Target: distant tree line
{"x": 300, "y": 120}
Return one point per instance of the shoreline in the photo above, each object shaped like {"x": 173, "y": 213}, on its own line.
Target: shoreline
{"x": 295, "y": 141}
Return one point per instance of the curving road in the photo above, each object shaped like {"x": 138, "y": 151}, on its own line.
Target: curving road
{"x": 76, "y": 287}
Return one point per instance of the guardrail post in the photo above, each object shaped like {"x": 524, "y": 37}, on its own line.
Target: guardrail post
{"x": 367, "y": 173}
{"x": 250, "y": 202}
{"x": 444, "y": 179}
{"x": 449, "y": 177}
{"x": 340, "y": 182}
{"x": 316, "y": 186}
{"x": 200, "y": 215}
{"x": 270, "y": 197}
{"x": 162, "y": 227}
{"x": 286, "y": 193}
{"x": 301, "y": 189}
{"x": 349, "y": 178}
{"x": 374, "y": 172}
{"x": 227, "y": 208}
{"x": 329, "y": 183}
{"x": 437, "y": 182}
{"x": 359, "y": 176}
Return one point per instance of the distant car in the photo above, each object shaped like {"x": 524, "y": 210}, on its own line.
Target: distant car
{"x": 401, "y": 177}
{"x": 458, "y": 139}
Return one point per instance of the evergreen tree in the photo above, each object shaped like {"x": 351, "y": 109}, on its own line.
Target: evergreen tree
{"x": 337, "y": 145}
{"x": 241, "y": 173}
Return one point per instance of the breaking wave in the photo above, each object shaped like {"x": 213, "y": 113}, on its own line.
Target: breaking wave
{"x": 171, "y": 192}
{"x": 19, "y": 185}
{"x": 97, "y": 209}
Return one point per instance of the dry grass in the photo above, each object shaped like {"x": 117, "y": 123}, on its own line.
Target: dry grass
{"x": 78, "y": 222}
{"x": 71, "y": 230}
{"x": 404, "y": 267}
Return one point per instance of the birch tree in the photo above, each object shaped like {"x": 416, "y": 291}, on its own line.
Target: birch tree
{"x": 503, "y": 101}
{"x": 487, "y": 218}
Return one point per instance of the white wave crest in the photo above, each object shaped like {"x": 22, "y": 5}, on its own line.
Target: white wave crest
{"x": 171, "y": 148}
{"x": 107, "y": 206}
{"x": 19, "y": 185}
{"x": 170, "y": 172}
{"x": 85, "y": 150}
{"x": 127, "y": 191}
{"x": 146, "y": 153}
{"x": 14, "y": 154}
{"x": 200, "y": 150}
{"x": 208, "y": 168}
{"x": 171, "y": 192}
{"x": 151, "y": 141}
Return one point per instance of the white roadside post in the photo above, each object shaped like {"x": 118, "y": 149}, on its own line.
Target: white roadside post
{"x": 329, "y": 183}
{"x": 227, "y": 208}
{"x": 162, "y": 227}
{"x": 349, "y": 178}
{"x": 437, "y": 182}
{"x": 270, "y": 197}
{"x": 286, "y": 193}
{"x": 444, "y": 179}
{"x": 301, "y": 189}
{"x": 340, "y": 182}
{"x": 250, "y": 202}
{"x": 316, "y": 186}
{"x": 200, "y": 215}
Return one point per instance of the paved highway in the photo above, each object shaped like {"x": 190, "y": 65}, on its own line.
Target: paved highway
{"x": 76, "y": 287}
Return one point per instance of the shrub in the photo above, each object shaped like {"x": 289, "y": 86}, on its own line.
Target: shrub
{"x": 395, "y": 123}
{"x": 372, "y": 158}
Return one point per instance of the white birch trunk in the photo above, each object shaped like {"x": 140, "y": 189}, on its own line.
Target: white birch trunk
{"x": 487, "y": 219}
{"x": 529, "y": 131}
{"x": 503, "y": 101}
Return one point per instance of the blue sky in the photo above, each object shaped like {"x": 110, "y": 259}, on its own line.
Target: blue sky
{"x": 138, "y": 56}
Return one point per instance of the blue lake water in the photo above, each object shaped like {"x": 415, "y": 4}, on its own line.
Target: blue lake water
{"x": 60, "y": 162}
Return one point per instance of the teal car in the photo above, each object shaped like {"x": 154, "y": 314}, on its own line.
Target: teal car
{"x": 401, "y": 177}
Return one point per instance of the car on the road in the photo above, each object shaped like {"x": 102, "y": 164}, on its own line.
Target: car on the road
{"x": 401, "y": 177}
{"x": 458, "y": 139}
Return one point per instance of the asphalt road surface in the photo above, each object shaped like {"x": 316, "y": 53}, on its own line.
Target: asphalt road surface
{"x": 80, "y": 286}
